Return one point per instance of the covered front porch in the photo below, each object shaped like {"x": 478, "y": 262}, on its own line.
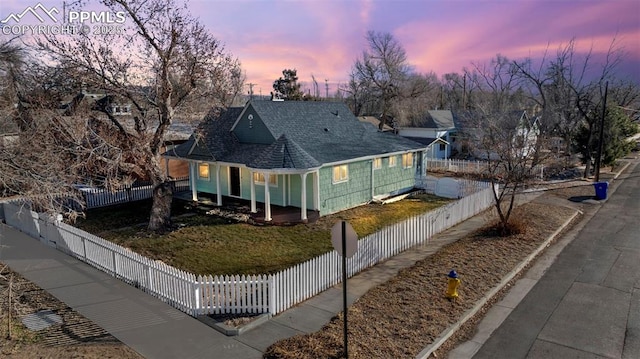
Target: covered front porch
{"x": 262, "y": 188}
{"x": 280, "y": 216}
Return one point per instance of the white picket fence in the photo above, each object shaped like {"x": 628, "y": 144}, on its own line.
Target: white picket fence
{"x": 201, "y": 295}
{"x": 99, "y": 197}
{"x": 307, "y": 279}
{"x": 465, "y": 187}
{"x": 456, "y": 166}
{"x": 464, "y": 166}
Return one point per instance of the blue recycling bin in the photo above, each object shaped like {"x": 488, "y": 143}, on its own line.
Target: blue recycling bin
{"x": 601, "y": 189}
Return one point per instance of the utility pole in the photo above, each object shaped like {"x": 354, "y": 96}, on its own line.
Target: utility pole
{"x": 251, "y": 90}
{"x": 326, "y": 88}
{"x": 601, "y": 135}
{"x": 464, "y": 91}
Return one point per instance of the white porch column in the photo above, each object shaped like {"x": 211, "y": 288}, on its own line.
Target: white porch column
{"x": 267, "y": 199}
{"x": 253, "y": 194}
{"x": 192, "y": 178}
{"x": 316, "y": 190}
{"x": 303, "y": 200}
{"x": 218, "y": 190}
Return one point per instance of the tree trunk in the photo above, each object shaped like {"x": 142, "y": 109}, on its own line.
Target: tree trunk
{"x": 587, "y": 155}
{"x": 160, "y": 218}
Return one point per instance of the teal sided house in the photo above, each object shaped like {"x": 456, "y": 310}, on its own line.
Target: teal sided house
{"x": 310, "y": 155}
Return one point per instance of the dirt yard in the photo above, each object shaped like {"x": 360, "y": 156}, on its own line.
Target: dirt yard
{"x": 399, "y": 318}
{"x": 395, "y": 320}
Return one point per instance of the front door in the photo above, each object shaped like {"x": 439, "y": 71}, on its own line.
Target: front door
{"x": 234, "y": 181}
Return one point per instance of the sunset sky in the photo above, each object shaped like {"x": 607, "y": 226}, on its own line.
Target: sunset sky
{"x": 324, "y": 38}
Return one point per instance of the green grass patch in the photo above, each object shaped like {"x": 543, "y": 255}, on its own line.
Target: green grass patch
{"x": 206, "y": 244}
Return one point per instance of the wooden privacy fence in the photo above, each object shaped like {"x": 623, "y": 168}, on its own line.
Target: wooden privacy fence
{"x": 201, "y": 295}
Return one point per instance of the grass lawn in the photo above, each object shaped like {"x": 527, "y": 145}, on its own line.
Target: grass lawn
{"x": 206, "y": 244}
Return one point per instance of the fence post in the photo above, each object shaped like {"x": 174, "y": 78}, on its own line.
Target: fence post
{"x": 84, "y": 248}
{"x": 115, "y": 263}
{"x": 195, "y": 290}
{"x": 271, "y": 298}
{"x": 149, "y": 278}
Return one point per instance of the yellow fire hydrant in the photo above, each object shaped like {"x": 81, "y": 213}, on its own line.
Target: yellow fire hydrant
{"x": 452, "y": 287}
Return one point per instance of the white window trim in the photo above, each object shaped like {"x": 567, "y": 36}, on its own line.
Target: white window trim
{"x": 377, "y": 163}
{"x": 200, "y": 177}
{"x": 342, "y": 180}
{"x": 120, "y": 109}
{"x": 404, "y": 160}
{"x": 395, "y": 161}
{"x": 261, "y": 182}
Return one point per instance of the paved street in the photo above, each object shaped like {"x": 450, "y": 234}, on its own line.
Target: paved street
{"x": 587, "y": 304}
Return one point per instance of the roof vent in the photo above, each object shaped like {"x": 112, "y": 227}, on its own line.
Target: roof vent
{"x": 326, "y": 129}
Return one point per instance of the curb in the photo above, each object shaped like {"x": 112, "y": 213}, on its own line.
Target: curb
{"x": 426, "y": 352}
{"x": 233, "y": 331}
{"x": 627, "y": 164}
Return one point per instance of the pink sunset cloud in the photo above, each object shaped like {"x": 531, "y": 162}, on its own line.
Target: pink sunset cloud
{"x": 324, "y": 38}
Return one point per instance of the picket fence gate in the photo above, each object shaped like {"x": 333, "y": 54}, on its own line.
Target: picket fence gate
{"x": 274, "y": 293}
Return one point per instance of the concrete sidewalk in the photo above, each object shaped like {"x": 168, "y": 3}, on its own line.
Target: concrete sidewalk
{"x": 582, "y": 297}
{"x": 156, "y": 330}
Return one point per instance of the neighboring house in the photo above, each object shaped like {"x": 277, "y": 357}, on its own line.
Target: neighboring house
{"x": 178, "y": 133}
{"x": 525, "y": 130}
{"x": 436, "y": 130}
{"x": 375, "y": 122}
{"x": 9, "y": 132}
{"x": 121, "y": 109}
{"x": 311, "y": 155}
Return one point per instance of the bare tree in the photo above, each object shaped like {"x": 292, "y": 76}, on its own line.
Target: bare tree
{"x": 502, "y": 133}
{"x": 382, "y": 74}
{"x": 35, "y": 154}
{"x": 357, "y": 95}
{"x": 163, "y": 63}
{"x": 569, "y": 88}
{"x": 419, "y": 93}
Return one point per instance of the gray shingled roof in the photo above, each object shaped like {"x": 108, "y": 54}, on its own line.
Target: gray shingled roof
{"x": 284, "y": 153}
{"x": 308, "y": 135}
{"x": 436, "y": 119}
{"x": 424, "y": 140}
{"x": 442, "y": 118}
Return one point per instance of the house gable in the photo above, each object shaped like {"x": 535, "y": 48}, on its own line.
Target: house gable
{"x": 250, "y": 128}
{"x": 200, "y": 149}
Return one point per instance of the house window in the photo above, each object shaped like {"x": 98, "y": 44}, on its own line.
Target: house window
{"x": 259, "y": 179}
{"x": 377, "y": 163}
{"x": 443, "y": 147}
{"x": 120, "y": 110}
{"x": 340, "y": 173}
{"x": 392, "y": 161}
{"x": 407, "y": 160}
{"x": 203, "y": 171}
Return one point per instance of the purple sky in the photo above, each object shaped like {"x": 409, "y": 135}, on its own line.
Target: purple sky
{"x": 324, "y": 38}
